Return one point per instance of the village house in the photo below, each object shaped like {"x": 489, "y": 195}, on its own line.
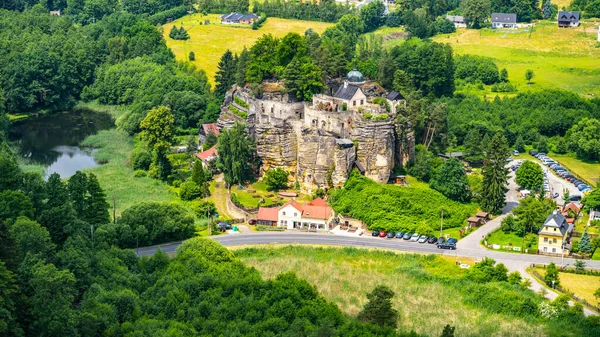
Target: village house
{"x": 205, "y": 130}
{"x": 314, "y": 215}
{"x": 501, "y": 20}
{"x": 568, "y": 19}
{"x": 571, "y": 212}
{"x": 457, "y": 20}
{"x": 554, "y": 235}
{"x": 238, "y": 18}
{"x": 208, "y": 155}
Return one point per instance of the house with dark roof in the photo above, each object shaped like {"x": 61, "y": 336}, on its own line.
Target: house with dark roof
{"x": 351, "y": 94}
{"x": 568, "y": 19}
{"x": 238, "y": 18}
{"x": 457, "y": 20}
{"x": 554, "y": 235}
{"x": 502, "y": 20}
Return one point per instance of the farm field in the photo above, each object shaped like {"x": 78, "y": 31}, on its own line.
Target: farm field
{"x": 346, "y": 275}
{"x": 209, "y": 42}
{"x": 560, "y": 58}
{"x": 583, "y": 286}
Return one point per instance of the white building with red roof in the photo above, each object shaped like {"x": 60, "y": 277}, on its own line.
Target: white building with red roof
{"x": 208, "y": 155}
{"x": 315, "y": 214}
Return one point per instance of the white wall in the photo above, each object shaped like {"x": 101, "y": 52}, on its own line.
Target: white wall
{"x": 288, "y": 215}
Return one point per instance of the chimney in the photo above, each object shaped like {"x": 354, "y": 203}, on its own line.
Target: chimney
{"x": 345, "y": 84}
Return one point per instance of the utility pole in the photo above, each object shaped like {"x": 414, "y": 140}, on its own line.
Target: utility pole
{"x": 441, "y": 221}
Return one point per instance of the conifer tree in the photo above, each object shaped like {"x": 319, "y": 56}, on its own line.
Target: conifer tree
{"x": 547, "y": 9}
{"x": 77, "y": 187}
{"x": 96, "y": 206}
{"x": 585, "y": 245}
{"x": 379, "y": 309}
{"x": 9, "y": 169}
{"x": 226, "y": 75}
{"x": 240, "y": 76}
{"x": 199, "y": 177}
{"x": 495, "y": 175}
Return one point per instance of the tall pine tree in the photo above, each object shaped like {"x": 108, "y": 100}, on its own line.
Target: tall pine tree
{"x": 240, "y": 76}
{"x": 9, "y": 169}
{"x": 96, "y": 207}
{"x": 199, "y": 177}
{"x": 77, "y": 187}
{"x": 226, "y": 75}
{"x": 495, "y": 175}
{"x": 585, "y": 245}
{"x": 547, "y": 9}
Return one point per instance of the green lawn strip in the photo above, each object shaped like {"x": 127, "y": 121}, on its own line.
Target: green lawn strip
{"x": 588, "y": 171}
{"x": 498, "y": 237}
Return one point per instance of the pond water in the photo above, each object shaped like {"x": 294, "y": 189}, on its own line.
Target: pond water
{"x": 52, "y": 140}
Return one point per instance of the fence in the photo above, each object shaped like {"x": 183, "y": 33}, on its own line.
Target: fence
{"x": 575, "y": 174}
{"x": 561, "y": 290}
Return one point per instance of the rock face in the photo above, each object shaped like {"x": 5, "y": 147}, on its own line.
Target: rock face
{"x": 375, "y": 147}
{"x": 318, "y": 148}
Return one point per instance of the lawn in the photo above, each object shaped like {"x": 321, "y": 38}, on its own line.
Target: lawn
{"x": 590, "y": 171}
{"x": 261, "y": 192}
{"x": 583, "y": 286}
{"x": 209, "y": 42}
{"x": 498, "y": 237}
{"x": 560, "y": 58}
{"x": 425, "y": 301}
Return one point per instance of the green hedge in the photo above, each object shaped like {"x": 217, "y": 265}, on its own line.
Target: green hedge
{"x": 398, "y": 208}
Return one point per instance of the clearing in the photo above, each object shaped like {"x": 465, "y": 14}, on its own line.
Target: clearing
{"x": 426, "y": 298}
{"x": 583, "y": 286}
{"x": 209, "y": 42}
{"x": 560, "y": 58}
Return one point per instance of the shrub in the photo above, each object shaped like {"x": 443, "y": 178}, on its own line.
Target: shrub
{"x": 276, "y": 179}
{"x": 141, "y": 158}
{"x": 179, "y": 33}
{"x": 241, "y": 102}
{"x": 503, "y": 87}
{"x": 140, "y": 174}
{"x": 192, "y": 56}
{"x": 190, "y": 191}
{"x": 472, "y": 68}
{"x": 368, "y": 115}
{"x": 258, "y": 23}
{"x": 237, "y": 112}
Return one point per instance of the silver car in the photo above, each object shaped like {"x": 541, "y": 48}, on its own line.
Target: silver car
{"x": 414, "y": 237}
{"x": 423, "y": 239}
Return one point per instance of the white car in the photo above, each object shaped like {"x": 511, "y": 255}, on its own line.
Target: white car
{"x": 414, "y": 237}
{"x": 423, "y": 239}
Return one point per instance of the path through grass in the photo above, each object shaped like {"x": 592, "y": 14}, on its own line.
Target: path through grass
{"x": 209, "y": 42}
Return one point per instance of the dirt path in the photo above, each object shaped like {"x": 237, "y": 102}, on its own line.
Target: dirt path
{"x": 219, "y": 196}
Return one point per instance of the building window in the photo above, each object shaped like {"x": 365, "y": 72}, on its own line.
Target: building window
{"x": 353, "y": 103}
{"x": 361, "y": 102}
{"x": 545, "y": 249}
{"x": 555, "y": 229}
{"x": 295, "y": 214}
{"x": 554, "y": 250}
{"x": 545, "y": 239}
{"x": 553, "y": 240}
{"x": 283, "y": 213}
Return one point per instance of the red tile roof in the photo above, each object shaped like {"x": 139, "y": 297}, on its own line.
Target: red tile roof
{"x": 212, "y": 152}
{"x": 570, "y": 206}
{"x": 212, "y": 127}
{"x": 318, "y": 202}
{"x": 268, "y": 213}
{"x": 316, "y": 212}
{"x": 292, "y": 203}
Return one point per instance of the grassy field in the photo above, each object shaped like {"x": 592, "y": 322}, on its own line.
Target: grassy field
{"x": 209, "y": 42}
{"x": 346, "y": 275}
{"x": 560, "y": 58}
{"x": 512, "y": 240}
{"x": 583, "y": 286}
{"x": 260, "y": 190}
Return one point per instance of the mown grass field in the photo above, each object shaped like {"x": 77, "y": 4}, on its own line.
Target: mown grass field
{"x": 583, "y": 286}
{"x": 260, "y": 189}
{"x": 560, "y": 58}
{"x": 512, "y": 240}
{"x": 590, "y": 171}
{"x": 425, "y": 303}
{"x": 209, "y": 42}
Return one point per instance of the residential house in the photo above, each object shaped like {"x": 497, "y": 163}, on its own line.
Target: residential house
{"x": 238, "y": 18}
{"x": 571, "y": 209}
{"x": 205, "y": 130}
{"x": 554, "y": 235}
{"x": 594, "y": 215}
{"x": 267, "y": 216}
{"x": 484, "y": 216}
{"x": 501, "y": 20}
{"x": 208, "y": 155}
{"x": 57, "y": 13}
{"x": 315, "y": 214}
{"x": 457, "y": 20}
{"x": 568, "y": 19}
{"x": 351, "y": 95}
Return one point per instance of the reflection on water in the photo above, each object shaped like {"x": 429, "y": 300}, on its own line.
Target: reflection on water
{"x": 52, "y": 140}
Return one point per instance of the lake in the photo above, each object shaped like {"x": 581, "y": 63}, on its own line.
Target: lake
{"x": 52, "y": 140}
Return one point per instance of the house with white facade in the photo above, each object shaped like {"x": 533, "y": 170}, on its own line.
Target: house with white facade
{"x": 501, "y": 20}
{"x": 314, "y": 215}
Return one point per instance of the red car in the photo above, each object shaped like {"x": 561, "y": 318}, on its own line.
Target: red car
{"x": 382, "y": 234}
{"x": 252, "y": 222}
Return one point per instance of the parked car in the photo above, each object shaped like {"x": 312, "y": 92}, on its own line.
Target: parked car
{"x": 440, "y": 240}
{"x": 390, "y": 235}
{"x": 407, "y": 236}
{"x": 375, "y": 233}
{"x": 582, "y": 187}
{"x": 432, "y": 239}
{"x": 533, "y": 152}
{"x": 575, "y": 197}
{"x": 515, "y": 153}
{"x": 224, "y": 225}
{"x": 447, "y": 245}
{"x": 252, "y": 222}
{"x": 399, "y": 235}
{"x": 382, "y": 234}
{"x": 422, "y": 239}
{"x": 554, "y": 195}
{"x": 452, "y": 240}
{"x": 415, "y": 237}
{"x": 587, "y": 190}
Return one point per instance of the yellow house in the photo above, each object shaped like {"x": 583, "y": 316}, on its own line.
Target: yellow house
{"x": 554, "y": 234}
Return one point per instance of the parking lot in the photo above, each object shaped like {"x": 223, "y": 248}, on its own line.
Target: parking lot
{"x": 415, "y": 238}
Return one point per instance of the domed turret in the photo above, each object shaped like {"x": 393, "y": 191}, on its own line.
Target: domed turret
{"x": 355, "y": 77}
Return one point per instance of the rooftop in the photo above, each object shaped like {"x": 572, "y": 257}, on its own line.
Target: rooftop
{"x": 205, "y": 155}
{"x": 346, "y": 91}
{"x": 268, "y": 213}
{"x": 504, "y": 18}
{"x": 211, "y": 127}
{"x": 355, "y": 77}
{"x": 394, "y": 96}
{"x": 568, "y": 16}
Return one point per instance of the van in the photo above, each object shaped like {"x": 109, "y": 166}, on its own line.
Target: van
{"x": 575, "y": 197}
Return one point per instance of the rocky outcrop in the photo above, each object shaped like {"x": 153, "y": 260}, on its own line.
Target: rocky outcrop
{"x": 343, "y": 161}
{"x": 277, "y": 147}
{"x": 315, "y": 159}
{"x": 375, "y": 147}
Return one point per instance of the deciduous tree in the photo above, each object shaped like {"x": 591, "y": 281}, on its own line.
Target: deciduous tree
{"x": 303, "y": 78}
{"x": 451, "y": 180}
{"x": 476, "y": 11}
{"x": 236, "y": 151}
{"x": 276, "y": 179}
{"x": 551, "y": 276}
{"x": 157, "y": 127}
{"x": 530, "y": 176}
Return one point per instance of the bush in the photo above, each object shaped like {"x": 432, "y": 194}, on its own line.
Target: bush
{"x": 503, "y": 87}
{"x": 179, "y": 33}
{"x": 192, "y": 56}
{"x": 258, "y": 23}
{"x": 140, "y": 174}
{"x": 189, "y": 191}
{"x": 173, "y": 13}
{"x": 141, "y": 158}
{"x": 472, "y": 68}
{"x": 237, "y": 112}
{"x": 241, "y": 102}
